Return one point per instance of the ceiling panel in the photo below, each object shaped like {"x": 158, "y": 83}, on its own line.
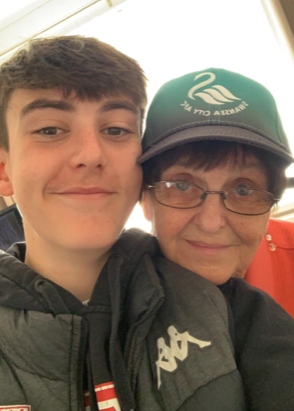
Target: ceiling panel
{"x": 47, "y": 18}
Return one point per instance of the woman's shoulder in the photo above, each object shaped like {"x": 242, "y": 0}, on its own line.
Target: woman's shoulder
{"x": 254, "y": 307}
{"x": 264, "y": 345}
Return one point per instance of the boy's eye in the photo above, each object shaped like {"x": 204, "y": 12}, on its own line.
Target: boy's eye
{"x": 116, "y": 131}
{"x": 49, "y": 131}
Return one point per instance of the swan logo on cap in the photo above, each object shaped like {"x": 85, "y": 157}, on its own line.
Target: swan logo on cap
{"x": 216, "y": 94}
{"x": 205, "y": 98}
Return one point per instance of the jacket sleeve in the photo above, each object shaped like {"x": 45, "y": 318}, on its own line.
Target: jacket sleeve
{"x": 264, "y": 345}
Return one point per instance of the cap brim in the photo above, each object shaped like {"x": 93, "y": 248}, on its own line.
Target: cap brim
{"x": 226, "y": 133}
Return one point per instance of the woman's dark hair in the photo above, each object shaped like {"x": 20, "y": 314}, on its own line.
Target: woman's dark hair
{"x": 210, "y": 154}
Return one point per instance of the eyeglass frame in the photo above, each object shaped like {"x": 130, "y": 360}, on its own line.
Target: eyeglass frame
{"x": 222, "y": 194}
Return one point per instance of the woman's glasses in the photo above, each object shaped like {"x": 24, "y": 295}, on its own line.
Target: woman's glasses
{"x": 240, "y": 200}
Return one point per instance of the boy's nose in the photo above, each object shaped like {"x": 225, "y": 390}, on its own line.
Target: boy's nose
{"x": 89, "y": 150}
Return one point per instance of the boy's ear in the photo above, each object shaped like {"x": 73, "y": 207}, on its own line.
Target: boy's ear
{"x": 146, "y": 204}
{"x": 6, "y": 189}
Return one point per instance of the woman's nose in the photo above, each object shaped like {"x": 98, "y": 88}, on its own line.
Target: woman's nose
{"x": 210, "y": 215}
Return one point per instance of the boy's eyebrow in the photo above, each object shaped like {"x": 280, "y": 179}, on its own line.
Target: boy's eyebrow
{"x": 120, "y": 104}
{"x": 46, "y": 103}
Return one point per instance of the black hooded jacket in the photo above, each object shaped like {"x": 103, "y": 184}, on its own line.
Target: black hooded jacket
{"x": 166, "y": 337}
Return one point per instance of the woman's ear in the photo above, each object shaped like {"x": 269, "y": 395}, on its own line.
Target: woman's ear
{"x": 6, "y": 189}
{"x": 146, "y": 204}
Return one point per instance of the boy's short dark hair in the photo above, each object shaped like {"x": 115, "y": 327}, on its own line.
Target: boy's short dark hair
{"x": 210, "y": 154}
{"x": 83, "y": 65}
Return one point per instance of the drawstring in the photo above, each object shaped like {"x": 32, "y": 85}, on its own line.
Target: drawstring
{"x": 91, "y": 391}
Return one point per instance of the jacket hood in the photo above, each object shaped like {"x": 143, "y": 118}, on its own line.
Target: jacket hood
{"x": 19, "y": 284}
{"x": 21, "y": 287}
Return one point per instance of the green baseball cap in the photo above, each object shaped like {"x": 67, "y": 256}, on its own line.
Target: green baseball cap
{"x": 214, "y": 104}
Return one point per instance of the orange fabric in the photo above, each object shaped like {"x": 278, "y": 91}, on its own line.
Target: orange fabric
{"x": 273, "y": 271}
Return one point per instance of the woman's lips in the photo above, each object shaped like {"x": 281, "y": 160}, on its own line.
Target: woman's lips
{"x": 207, "y": 247}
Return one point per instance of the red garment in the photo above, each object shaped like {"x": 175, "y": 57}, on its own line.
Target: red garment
{"x": 272, "y": 268}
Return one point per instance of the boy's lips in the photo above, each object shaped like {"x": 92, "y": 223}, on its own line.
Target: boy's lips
{"x": 85, "y": 191}
{"x": 84, "y": 194}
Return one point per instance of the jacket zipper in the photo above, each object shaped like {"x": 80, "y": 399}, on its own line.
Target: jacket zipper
{"x": 81, "y": 364}
{"x": 132, "y": 335}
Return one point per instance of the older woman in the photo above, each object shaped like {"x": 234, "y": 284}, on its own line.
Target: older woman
{"x": 214, "y": 160}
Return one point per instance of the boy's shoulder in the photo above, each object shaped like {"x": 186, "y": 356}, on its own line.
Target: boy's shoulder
{"x": 17, "y": 250}
{"x": 18, "y": 281}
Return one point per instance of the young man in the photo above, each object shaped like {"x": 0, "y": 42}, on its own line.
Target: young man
{"x": 71, "y": 111}
{"x": 76, "y": 305}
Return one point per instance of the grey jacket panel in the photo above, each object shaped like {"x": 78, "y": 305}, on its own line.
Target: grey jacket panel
{"x": 187, "y": 358}
{"x": 225, "y": 396}
{"x": 39, "y": 359}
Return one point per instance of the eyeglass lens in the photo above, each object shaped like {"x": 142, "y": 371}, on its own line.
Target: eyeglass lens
{"x": 242, "y": 199}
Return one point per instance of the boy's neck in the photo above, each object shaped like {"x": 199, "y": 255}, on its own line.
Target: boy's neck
{"x": 75, "y": 270}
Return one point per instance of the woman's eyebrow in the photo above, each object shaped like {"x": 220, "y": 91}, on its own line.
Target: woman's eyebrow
{"x": 41, "y": 104}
